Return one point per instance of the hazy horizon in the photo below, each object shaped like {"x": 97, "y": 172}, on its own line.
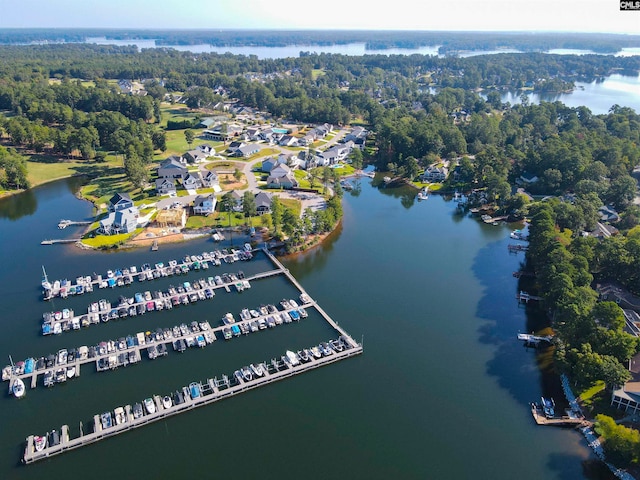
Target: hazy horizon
{"x": 534, "y": 16}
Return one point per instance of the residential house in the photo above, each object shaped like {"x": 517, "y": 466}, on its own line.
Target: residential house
{"x": 126, "y": 86}
{"x": 608, "y": 214}
{"x": 235, "y": 145}
{"x": 337, "y": 153}
{"x": 209, "y": 179}
{"x": 434, "y": 173}
{"x": 527, "y": 179}
{"x": 236, "y": 200}
{"x": 268, "y": 164}
{"x": 120, "y": 221}
{"x": 253, "y": 134}
{"x": 192, "y": 181}
{"x": 195, "y": 156}
{"x": 204, "y": 204}
{"x": 263, "y": 203}
{"x": 627, "y": 397}
{"x": 206, "y": 122}
{"x": 358, "y": 136}
{"x": 288, "y": 141}
{"x": 172, "y": 168}
{"x": 281, "y": 177}
{"x": 207, "y": 149}
{"x": 321, "y": 131}
{"x": 246, "y": 151}
{"x": 165, "y": 186}
{"x": 120, "y": 201}
{"x": 308, "y": 139}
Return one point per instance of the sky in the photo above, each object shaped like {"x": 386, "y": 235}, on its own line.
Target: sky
{"x": 477, "y": 15}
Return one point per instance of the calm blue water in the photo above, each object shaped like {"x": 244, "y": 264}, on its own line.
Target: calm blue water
{"x": 441, "y": 391}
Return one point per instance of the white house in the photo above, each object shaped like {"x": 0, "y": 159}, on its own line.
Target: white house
{"x": 204, "y": 204}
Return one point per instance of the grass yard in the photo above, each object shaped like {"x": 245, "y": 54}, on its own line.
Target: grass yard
{"x": 108, "y": 241}
{"x": 317, "y": 72}
{"x": 201, "y": 221}
{"x": 301, "y": 176}
{"x": 291, "y": 204}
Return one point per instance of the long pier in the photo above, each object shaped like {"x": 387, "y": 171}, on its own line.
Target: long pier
{"x": 60, "y": 240}
{"x": 108, "y": 352}
{"x": 119, "y": 278}
{"x": 75, "y": 322}
{"x": 62, "y": 224}
{"x": 211, "y": 392}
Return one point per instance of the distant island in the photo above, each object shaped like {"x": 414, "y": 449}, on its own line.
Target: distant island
{"x": 448, "y": 43}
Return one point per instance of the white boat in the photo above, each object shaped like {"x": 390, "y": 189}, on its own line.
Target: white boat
{"x": 149, "y": 405}
{"x": 166, "y": 402}
{"x": 40, "y": 442}
{"x": 257, "y": 370}
{"x": 17, "y": 388}
{"x": 120, "y": 415}
{"x": 292, "y": 358}
{"x": 71, "y": 372}
{"x": 316, "y": 352}
{"x": 247, "y": 375}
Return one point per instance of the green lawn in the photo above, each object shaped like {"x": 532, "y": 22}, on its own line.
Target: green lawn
{"x": 200, "y": 221}
{"x": 316, "y": 72}
{"x": 345, "y": 170}
{"x": 106, "y": 241}
{"x": 291, "y": 204}
{"x": 301, "y": 176}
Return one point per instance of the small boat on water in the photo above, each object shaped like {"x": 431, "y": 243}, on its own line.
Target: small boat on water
{"x": 120, "y": 415}
{"x": 194, "y": 390}
{"x": 17, "y": 388}
{"x": 257, "y": 369}
{"x": 106, "y": 420}
{"x": 292, "y": 358}
{"x": 137, "y": 410}
{"x": 166, "y": 402}
{"x": 247, "y": 374}
{"x": 40, "y": 442}
{"x": 149, "y": 405}
{"x": 548, "y": 407}
{"x": 71, "y": 372}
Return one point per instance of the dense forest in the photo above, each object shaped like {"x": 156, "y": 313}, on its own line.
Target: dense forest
{"x": 448, "y": 42}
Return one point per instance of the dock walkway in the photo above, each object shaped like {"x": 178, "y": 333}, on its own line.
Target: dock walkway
{"x": 211, "y": 393}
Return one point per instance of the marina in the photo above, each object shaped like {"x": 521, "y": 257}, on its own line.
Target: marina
{"x": 110, "y": 355}
{"x": 57, "y": 322}
{"x": 184, "y": 399}
{"x": 64, "y": 288}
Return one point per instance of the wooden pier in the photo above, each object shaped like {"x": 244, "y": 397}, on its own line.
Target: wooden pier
{"x": 515, "y": 248}
{"x": 60, "y": 240}
{"x": 62, "y": 224}
{"x": 524, "y": 297}
{"x": 564, "y": 421}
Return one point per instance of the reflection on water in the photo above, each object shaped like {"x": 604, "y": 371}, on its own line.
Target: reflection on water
{"x": 18, "y": 205}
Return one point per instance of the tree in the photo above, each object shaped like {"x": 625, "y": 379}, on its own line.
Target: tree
{"x": 609, "y": 315}
{"x": 289, "y": 221}
{"x": 237, "y": 174}
{"x": 622, "y": 191}
{"x": 249, "y": 205}
{"x": 189, "y": 136}
{"x": 134, "y": 168}
{"x": 159, "y": 139}
{"x": 621, "y": 444}
{"x": 276, "y": 213}
{"x": 356, "y": 158}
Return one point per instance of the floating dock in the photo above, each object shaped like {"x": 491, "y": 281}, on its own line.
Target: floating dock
{"x": 564, "y": 421}
{"x": 211, "y": 391}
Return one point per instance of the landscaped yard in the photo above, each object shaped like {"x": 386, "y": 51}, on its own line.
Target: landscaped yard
{"x": 45, "y": 168}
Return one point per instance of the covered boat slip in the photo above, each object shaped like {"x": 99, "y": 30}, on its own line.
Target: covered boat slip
{"x": 213, "y": 389}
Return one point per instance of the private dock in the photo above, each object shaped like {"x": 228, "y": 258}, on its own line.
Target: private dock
{"x": 524, "y": 297}
{"x": 534, "y": 340}
{"x": 62, "y": 224}
{"x": 569, "y": 420}
{"x": 515, "y": 248}
{"x": 211, "y": 391}
{"x": 60, "y": 240}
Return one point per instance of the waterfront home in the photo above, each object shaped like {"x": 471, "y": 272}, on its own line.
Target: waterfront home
{"x": 337, "y": 153}
{"x": 204, "y": 204}
{"x": 263, "y": 203}
{"x": 236, "y": 200}
{"x": 358, "y": 136}
{"x": 120, "y": 201}
{"x": 195, "y": 156}
{"x": 165, "y": 186}
{"x": 434, "y": 173}
{"x": 172, "y": 167}
{"x": 120, "y": 221}
{"x": 627, "y": 397}
{"x": 608, "y": 214}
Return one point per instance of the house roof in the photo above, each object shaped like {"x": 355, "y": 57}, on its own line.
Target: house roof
{"x": 249, "y": 149}
{"x": 172, "y": 162}
{"x": 120, "y": 197}
{"x": 263, "y": 200}
{"x": 201, "y": 199}
{"x": 280, "y": 170}
{"x": 160, "y": 182}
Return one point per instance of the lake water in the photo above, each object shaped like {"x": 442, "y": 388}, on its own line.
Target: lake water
{"x": 598, "y": 95}
{"x": 441, "y": 391}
